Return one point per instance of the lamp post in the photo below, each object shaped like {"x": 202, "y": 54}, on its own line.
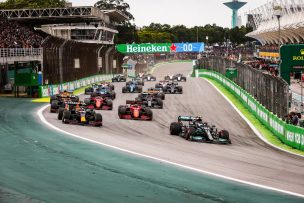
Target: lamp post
{"x": 278, "y": 13}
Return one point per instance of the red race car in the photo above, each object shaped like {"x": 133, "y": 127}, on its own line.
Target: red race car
{"x": 99, "y": 103}
{"x": 135, "y": 111}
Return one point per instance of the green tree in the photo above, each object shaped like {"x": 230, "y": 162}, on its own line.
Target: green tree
{"x": 23, "y": 4}
{"x": 119, "y": 5}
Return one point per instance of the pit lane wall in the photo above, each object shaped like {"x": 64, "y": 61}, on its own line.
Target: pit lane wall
{"x": 291, "y": 135}
{"x": 49, "y": 90}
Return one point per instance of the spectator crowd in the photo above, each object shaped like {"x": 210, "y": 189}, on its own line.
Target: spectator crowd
{"x": 14, "y": 35}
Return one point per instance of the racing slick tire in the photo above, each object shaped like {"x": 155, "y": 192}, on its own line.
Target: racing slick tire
{"x": 175, "y": 128}
{"x": 139, "y": 88}
{"x": 122, "y": 110}
{"x": 160, "y": 103}
{"x": 165, "y": 88}
{"x": 54, "y": 106}
{"x": 111, "y": 86}
{"x": 112, "y": 95}
{"x": 124, "y": 89}
{"x": 52, "y": 98}
{"x": 149, "y": 114}
{"x": 98, "y": 118}
{"x": 158, "y": 86}
{"x": 190, "y": 133}
{"x": 87, "y": 91}
{"x": 60, "y": 113}
{"x": 110, "y": 104}
{"x": 161, "y": 96}
{"x": 180, "y": 89}
{"x": 224, "y": 134}
{"x": 66, "y": 117}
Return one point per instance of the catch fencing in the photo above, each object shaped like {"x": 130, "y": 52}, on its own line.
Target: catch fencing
{"x": 67, "y": 60}
{"x": 272, "y": 92}
{"x": 292, "y": 136}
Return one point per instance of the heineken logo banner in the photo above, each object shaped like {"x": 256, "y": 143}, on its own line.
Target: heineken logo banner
{"x": 160, "y": 48}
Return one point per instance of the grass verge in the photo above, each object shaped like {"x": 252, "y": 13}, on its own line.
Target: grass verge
{"x": 269, "y": 136}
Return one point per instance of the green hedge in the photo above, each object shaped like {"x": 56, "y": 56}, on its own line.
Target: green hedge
{"x": 291, "y": 135}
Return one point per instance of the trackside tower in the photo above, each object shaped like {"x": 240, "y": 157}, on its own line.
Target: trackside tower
{"x": 235, "y": 5}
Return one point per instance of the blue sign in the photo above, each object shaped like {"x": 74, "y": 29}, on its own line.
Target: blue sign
{"x": 187, "y": 47}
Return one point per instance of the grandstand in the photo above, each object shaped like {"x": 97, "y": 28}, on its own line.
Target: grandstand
{"x": 278, "y": 22}
{"x": 53, "y": 39}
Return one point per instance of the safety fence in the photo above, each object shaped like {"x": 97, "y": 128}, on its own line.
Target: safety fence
{"x": 49, "y": 90}
{"x": 291, "y": 135}
{"x": 271, "y": 91}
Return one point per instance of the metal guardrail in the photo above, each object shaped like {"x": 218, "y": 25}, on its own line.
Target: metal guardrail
{"x": 20, "y": 52}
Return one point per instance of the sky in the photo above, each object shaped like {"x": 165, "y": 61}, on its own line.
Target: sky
{"x": 185, "y": 12}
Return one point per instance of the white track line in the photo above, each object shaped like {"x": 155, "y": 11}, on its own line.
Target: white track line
{"x": 42, "y": 118}
{"x": 253, "y": 128}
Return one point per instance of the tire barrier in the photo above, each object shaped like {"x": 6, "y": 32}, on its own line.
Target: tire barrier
{"x": 290, "y": 135}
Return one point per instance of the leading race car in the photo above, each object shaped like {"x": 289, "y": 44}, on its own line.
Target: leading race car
{"x": 119, "y": 78}
{"x": 197, "y": 130}
{"x": 161, "y": 83}
{"x": 137, "y": 80}
{"x": 149, "y": 100}
{"x": 99, "y": 103}
{"x": 135, "y": 111}
{"x": 176, "y": 77}
{"x": 149, "y": 77}
{"x": 82, "y": 116}
{"x": 132, "y": 87}
{"x": 58, "y": 100}
{"x": 172, "y": 88}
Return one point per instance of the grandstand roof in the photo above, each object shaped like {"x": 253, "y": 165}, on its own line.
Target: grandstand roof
{"x": 265, "y": 20}
{"x": 61, "y": 15}
{"x": 116, "y": 15}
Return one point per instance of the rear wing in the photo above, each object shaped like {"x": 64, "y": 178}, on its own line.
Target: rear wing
{"x": 185, "y": 118}
{"x": 70, "y": 103}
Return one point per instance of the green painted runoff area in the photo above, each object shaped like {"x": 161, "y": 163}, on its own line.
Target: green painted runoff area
{"x": 39, "y": 164}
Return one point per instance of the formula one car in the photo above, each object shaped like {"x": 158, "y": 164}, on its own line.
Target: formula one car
{"x": 197, "y": 130}
{"x": 99, "y": 103}
{"x": 179, "y": 78}
{"x": 149, "y": 100}
{"x": 104, "y": 92}
{"x": 69, "y": 105}
{"x": 161, "y": 83}
{"x": 58, "y": 100}
{"x": 173, "y": 88}
{"x": 132, "y": 87}
{"x": 176, "y": 77}
{"x": 135, "y": 111}
{"x": 91, "y": 89}
{"x": 157, "y": 92}
{"x": 96, "y": 87}
{"x": 138, "y": 81}
{"x": 107, "y": 84}
{"x": 82, "y": 116}
{"x": 149, "y": 77}
{"x": 119, "y": 78}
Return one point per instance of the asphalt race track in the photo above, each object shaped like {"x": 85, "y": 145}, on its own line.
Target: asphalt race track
{"x": 248, "y": 158}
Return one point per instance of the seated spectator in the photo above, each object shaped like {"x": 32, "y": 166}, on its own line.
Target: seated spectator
{"x": 14, "y": 35}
